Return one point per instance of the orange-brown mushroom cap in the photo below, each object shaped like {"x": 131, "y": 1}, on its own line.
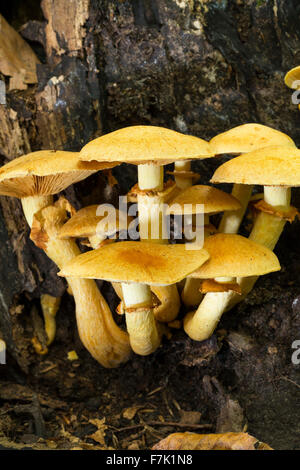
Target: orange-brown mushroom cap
{"x": 213, "y": 200}
{"x": 145, "y": 144}
{"x": 235, "y": 256}
{"x": 86, "y": 223}
{"x": 271, "y": 166}
{"x": 248, "y": 137}
{"x": 44, "y": 173}
{"x": 138, "y": 262}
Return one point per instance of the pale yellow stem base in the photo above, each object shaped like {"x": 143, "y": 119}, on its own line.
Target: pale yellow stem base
{"x": 191, "y": 294}
{"x": 201, "y": 324}
{"x": 232, "y": 220}
{"x": 50, "y": 306}
{"x": 169, "y": 306}
{"x": 140, "y": 321}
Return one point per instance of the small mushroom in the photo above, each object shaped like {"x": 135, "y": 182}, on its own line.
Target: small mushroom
{"x": 292, "y": 78}
{"x": 208, "y": 201}
{"x": 150, "y": 148}
{"x": 231, "y": 256}
{"x": 105, "y": 341}
{"x": 85, "y": 223}
{"x": 50, "y": 306}
{"x": 238, "y": 140}
{"x": 137, "y": 265}
{"x": 276, "y": 168}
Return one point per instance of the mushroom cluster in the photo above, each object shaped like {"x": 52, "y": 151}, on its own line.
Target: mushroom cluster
{"x": 206, "y": 268}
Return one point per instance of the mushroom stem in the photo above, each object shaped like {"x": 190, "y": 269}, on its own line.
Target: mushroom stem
{"x": 232, "y": 220}
{"x": 141, "y": 324}
{"x": 191, "y": 294}
{"x": 152, "y": 225}
{"x": 50, "y": 306}
{"x": 140, "y": 321}
{"x": 151, "y": 177}
{"x": 181, "y": 182}
{"x": 201, "y": 324}
{"x": 32, "y": 204}
{"x": 266, "y": 231}
{"x": 105, "y": 341}
{"x": 153, "y": 229}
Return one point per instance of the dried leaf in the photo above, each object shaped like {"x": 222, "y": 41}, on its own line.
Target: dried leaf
{"x": 17, "y": 59}
{"x": 226, "y": 441}
{"x": 129, "y": 413}
{"x": 99, "y": 435}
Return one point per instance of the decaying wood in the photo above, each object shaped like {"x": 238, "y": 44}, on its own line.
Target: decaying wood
{"x": 65, "y": 28}
{"x": 14, "y": 140}
{"x": 17, "y": 59}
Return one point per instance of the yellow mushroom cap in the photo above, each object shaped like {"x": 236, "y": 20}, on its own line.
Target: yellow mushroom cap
{"x": 139, "y": 262}
{"x": 235, "y": 256}
{"x": 44, "y": 173}
{"x": 248, "y": 137}
{"x": 86, "y": 223}
{"x": 213, "y": 200}
{"x": 271, "y": 166}
{"x": 145, "y": 144}
{"x": 292, "y": 77}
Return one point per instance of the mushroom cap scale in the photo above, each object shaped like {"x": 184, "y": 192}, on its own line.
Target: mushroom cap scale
{"x": 248, "y": 137}
{"x": 271, "y": 166}
{"x": 86, "y": 223}
{"x": 145, "y": 144}
{"x": 293, "y": 76}
{"x": 138, "y": 262}
{"x": 44, "y": 172}
{"x": 213, "y": 200}
{"x": 235, "y": 256}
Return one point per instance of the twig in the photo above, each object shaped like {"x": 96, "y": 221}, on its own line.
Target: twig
{"x": 179, "y": 425}
{"x": 167, "y": 423}
{"x": 289, "y": 380}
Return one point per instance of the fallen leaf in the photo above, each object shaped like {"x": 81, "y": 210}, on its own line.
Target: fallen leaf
{"x": 226, "y": 441}
{"x": 231, "y": 417}
{"x": 99, "y": 435}
{"x": 129, "y": 413}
